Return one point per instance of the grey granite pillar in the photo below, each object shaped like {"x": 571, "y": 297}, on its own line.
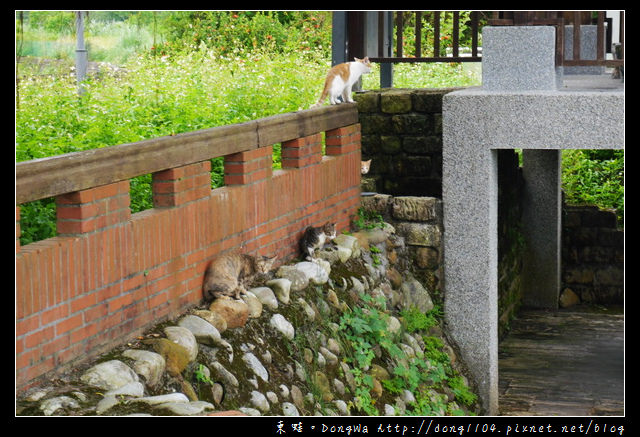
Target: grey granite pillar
{"x": 519, "y": 106}
{"x": 542, "y": 209}
{"x": 519, "y": 58}
{"x": 588, "y": 49}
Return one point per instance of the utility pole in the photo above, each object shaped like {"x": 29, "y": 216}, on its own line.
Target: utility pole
{"x": 81, "y": 52}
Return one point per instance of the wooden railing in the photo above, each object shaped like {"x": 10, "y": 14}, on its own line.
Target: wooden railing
{"x": 559, "y": 19}
{"x": 498, "y": 18}
{"x": 56, "y": 175}
{"x": 109, "y": 275}
{"x": 438, "y": 34}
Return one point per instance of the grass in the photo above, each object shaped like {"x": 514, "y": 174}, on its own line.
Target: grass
{"x": 158, "y": 93}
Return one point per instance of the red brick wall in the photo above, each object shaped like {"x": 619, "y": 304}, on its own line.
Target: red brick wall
{"x": 110, "y": 275}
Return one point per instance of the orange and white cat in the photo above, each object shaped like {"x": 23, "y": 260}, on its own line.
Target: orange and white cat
{"x": 340, "y": 80}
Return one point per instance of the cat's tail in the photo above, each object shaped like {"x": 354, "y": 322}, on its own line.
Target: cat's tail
{"x": 323, "y": 96}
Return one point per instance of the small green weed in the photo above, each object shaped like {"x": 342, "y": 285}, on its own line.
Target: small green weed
{"x": 415, "y": 320}
{"x": 367, "y": 220}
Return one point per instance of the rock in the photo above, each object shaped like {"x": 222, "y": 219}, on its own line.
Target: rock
{"x": 378, "y": 235}
{"x": 420, "y": 234}
{"x": 254, "y": 304}
{"x": 214, "y": 318}
{"x": 389, "y": 410}
{"x": 297, "y": 397}
{"x": 260, "y": 401}
{"x": 135, "y": 389}
{"x": 426, "y": 258}
{"x": 367, "y": 102}
{"x": 282, "y": 325}
{"x": 284, "y": 391}
{"x": 568, "y": 298}
{"x": 324, "y": 387}
{"x": 393, "y": 325}
{"x": 288, "y": 409}
{"x": 349, "y": 242}
{"x": 331, "y": 358}
{"x": 408, "y": 397}
{"x": 333, "y": 300}
{"x": 266, "y": 296}
{"x": 256, "y": 366}
{"x": 412, "y": 208}
{"x": 250, "y": 411}
{"x": 217, "y": 392}
{"x": 162, "y": 399}
{"x": 176, "y": 356}
{"x": 414, "y": 294}
{"x": 186, "y": 408}
{"x": 299, "y": 280}
{"x": 50, "y": 406}
{"x": 308, "y": 310}
{"x": 316, "y": 272}
{"x": 344, "y": 253}
{"x": 184, "y": 338}
{"x": 376, "y": 390}
{"x": 109, "y": 375}
{"x": 235, "y": 312}
{"x": 348, "y": 376}
{"x": 339, "y": 386}
{"x": 378, "y": 372}
{"x": 227, "y": 377}
{"x": 334, "y": 346}
{"x": 395, "y": 102}
{"x": 149, "y": 365}
{"x": 357, "y": 286}
{"x": 342, "y": 407}
{"x": 106, "y": 403}
{"x": 282, "y": 288}
{"x": 272, "y": 397}
{"x": 204, "y": 332}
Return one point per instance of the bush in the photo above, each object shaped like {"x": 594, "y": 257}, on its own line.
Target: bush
{"x": 594, "y": 177}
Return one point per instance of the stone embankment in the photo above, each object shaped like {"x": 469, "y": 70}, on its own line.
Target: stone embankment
{"x": 294, "y": 345}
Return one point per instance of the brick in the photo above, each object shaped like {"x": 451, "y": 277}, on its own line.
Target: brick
{"x": 69, "y": 324}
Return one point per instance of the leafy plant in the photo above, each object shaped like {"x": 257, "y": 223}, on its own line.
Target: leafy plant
{"x": 594, "y": 177}
{"x": 462, "y": 392}
{"x": 415, "y": 320}
{"x": 366, "y": 219}
{"x": 201, "y": 375}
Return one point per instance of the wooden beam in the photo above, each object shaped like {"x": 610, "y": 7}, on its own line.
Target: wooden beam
{"x": 55, "y": 175}
{"x": 395, "y": 59}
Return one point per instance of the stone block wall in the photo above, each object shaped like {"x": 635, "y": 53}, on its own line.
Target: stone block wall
{"x": 402, "y": 134}
{"x": 511, "y": 243}
{"x": 419, "y": 221}
{"x": 592, "y": 257}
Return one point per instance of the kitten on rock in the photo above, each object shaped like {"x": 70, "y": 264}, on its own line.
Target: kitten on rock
{"x": 228, "y": 274}
{"x": 315, "y": 238}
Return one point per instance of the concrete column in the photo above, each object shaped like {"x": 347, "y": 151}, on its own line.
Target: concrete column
{"x": 518, "y": 58}
{"x": 542, "y": 209}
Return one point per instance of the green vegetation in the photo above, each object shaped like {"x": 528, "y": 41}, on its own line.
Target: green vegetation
{"x": 183, "y": 71}
{"x": 594, "y": 177}
{"x": 367, "y": 325}
{"x": 367, "y": 220}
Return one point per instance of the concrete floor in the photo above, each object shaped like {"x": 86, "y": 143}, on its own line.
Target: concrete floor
{"x": 565, "y": 363}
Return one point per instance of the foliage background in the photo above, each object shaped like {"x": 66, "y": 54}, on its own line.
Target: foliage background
{"x": 174, "y": 72}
